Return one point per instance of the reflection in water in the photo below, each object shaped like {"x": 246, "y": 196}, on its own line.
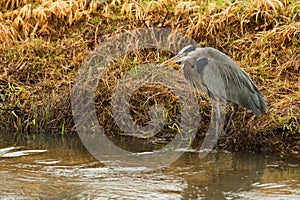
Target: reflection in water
{"x": 56, "y": 168}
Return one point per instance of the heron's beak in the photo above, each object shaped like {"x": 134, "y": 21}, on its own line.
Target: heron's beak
{"x": 171, "y": 61}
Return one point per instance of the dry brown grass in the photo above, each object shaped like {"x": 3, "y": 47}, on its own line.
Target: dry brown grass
{"x": 44, "y": 17}
{"x": 44, "y": 42}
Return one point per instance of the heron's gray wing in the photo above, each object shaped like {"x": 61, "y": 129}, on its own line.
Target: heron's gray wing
{"x": 223, "y": 73}
{"x": 201, "y": 64}
{"x": 211, "y": 77}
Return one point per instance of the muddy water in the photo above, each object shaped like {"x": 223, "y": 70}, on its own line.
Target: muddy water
{"x": 61, "y": 168}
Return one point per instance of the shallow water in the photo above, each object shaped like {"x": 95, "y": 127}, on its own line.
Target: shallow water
{"x": 61, "y": 168}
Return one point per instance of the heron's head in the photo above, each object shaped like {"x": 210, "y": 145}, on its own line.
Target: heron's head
{"x": 181, "y": 55}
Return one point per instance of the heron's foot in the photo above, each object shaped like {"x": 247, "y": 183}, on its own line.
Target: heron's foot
{"x": 223, "y": 135}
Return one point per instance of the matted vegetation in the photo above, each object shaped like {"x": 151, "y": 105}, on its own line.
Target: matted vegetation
{"x": 43, "y": 44}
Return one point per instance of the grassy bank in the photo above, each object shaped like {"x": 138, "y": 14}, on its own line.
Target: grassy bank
{"x": 43, "y": 44}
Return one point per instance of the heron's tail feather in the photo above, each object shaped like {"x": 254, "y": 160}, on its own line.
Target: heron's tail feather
{"x": 260, "y": 105}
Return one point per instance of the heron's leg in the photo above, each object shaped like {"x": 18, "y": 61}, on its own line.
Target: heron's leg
{"x": 211, "y": 136}
{"x": 217, "y": 118}
{"x": 235, "y": 109}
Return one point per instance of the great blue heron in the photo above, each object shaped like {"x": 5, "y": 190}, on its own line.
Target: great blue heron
{"x": 215, "y": 73}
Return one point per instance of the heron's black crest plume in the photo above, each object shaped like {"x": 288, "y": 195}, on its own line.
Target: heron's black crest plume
{"x": 187, "y": 49}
